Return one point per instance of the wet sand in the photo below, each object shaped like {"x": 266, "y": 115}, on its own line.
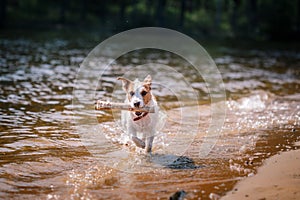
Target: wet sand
{"x": 278, "y": 178}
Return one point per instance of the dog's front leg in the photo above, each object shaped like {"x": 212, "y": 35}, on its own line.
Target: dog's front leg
{"x": 144, "y": 137}
{"x": 138, "y": 142}
{"x": 149, "y": 140}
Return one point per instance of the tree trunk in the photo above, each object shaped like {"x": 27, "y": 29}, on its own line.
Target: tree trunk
{"x": 102, "y": 10}
{"x": 218, "y": 14}
{"x": 182, "y": 13}
{"x": 298, "y": 17}
{"x": 234, "y": 15}
{"x": 3, "y": 5}
{"x": 252, "y": 16}
{"x": 160, "y": 10}
{"x": 83, "y": 10}
{"x": 63, "y": 7}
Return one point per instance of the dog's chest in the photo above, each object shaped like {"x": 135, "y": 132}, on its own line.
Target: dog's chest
{"x": 144, "y": 123}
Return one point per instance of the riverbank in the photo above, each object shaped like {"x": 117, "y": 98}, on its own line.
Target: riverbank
{"x": 278, "y": 178}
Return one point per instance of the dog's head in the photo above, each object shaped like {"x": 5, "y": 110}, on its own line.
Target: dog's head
{"x": 138, "y": 93}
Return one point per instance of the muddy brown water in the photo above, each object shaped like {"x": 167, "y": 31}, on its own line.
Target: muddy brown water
{"x": 43, "y": 156}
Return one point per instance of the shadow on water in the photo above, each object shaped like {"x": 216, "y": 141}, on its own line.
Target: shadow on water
{"x": 174, "y": 162}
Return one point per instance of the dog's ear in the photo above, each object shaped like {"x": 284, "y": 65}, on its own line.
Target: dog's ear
{"x": 148, "y": 81}
{"x": 125, "y": 83}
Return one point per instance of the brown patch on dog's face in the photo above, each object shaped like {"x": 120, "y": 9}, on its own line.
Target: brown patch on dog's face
{"x": 146, "y": 91}
{"x": 146, "y": 94}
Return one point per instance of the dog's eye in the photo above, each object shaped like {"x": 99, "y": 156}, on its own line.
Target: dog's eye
{"x": 143, "y": 93}
{"x": 131, "y": 93}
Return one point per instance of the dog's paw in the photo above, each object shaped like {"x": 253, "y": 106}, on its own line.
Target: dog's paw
{"x": 138, "y": 142}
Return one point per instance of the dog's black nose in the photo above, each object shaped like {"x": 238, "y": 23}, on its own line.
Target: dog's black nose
{"x": 137, "y": 104}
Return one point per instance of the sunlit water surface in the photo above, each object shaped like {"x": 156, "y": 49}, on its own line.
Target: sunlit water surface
{"x": 44, "y": 157}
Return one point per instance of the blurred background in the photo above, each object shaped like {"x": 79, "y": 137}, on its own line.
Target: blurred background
{"x": 246, "y": 19}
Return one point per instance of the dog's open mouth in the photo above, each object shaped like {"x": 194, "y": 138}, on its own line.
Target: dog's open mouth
{"x": 138, "y": 113}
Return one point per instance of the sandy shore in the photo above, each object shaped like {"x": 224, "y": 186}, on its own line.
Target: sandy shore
{"x": 278, "y": 178}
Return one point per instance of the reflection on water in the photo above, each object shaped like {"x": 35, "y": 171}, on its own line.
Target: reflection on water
{"x": 42, "y": 156}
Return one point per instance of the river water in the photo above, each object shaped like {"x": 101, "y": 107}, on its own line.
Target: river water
{"x": 44, "y": 154}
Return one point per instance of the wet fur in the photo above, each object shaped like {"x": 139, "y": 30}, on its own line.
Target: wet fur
{"x": 139, "y": 94}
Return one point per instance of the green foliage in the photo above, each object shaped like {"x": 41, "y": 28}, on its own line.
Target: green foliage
{"x": 256, "y": 19}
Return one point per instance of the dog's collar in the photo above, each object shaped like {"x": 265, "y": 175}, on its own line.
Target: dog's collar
{"x": 141, "y": 116}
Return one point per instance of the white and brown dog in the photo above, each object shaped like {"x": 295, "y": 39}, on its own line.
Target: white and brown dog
{"x": 139, "y": 95}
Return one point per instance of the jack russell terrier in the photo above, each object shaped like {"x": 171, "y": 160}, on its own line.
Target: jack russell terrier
{"x": 138, "y": 95}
